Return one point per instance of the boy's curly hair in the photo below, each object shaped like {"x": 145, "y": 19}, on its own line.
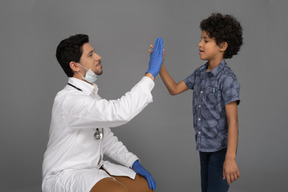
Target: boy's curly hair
{"x": 224, "y": 28}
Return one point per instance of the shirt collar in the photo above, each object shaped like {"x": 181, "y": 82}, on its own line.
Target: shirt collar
{"x": 216, "y": 70}
{"x": 84, "y": 86}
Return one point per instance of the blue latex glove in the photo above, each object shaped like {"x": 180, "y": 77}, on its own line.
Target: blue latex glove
{"x": 156, "y": 58}
{"x": 137, "y": 167}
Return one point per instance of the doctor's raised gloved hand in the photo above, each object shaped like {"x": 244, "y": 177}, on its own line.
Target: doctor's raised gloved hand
{"x": 137, "y": 167}
{"x": 156, "y": 58}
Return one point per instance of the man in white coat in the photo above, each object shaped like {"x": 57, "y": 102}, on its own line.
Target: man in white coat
{"x": 79, "y": 133}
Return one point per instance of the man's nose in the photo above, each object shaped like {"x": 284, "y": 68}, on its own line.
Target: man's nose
{"x": 98, "y": 57}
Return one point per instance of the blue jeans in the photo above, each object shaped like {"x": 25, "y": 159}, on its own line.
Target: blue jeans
{"x": 212, "y": 171}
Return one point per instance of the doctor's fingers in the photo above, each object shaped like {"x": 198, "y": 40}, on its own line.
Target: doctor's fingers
{"x": 151, "y": 182}
{"x": 151, "y": 51}
{"x": 158, "y": 48}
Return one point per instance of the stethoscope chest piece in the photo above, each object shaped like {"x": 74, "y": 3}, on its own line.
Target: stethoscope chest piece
{"x": 98, "y": 134}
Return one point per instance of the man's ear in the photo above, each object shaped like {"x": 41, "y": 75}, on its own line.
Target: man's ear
{"x": 74, "y": 66}
{"x": 223, "y": 46}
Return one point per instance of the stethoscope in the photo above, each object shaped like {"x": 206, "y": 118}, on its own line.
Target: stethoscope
{"x": 98, "y": 134}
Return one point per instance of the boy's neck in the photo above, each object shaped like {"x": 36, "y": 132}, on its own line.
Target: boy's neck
{"x": 212, "y": 64}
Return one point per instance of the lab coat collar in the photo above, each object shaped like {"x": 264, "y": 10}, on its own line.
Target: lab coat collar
{"x": 87, "y": 88}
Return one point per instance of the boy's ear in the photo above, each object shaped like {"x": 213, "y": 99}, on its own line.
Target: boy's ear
{"x": 74, "y": 66}
{"x": 223, "y": 46}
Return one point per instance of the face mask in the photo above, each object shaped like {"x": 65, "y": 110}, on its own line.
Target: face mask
{"x": 90, "y": 76}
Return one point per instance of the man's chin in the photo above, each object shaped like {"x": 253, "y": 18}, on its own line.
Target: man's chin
{"x": 99, "y": 72}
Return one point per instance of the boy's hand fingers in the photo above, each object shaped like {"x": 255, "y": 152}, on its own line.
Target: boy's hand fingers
{"x": 228, "y": 179}
{"x": 236, "y": 176}
{"x": 232, "y": 179}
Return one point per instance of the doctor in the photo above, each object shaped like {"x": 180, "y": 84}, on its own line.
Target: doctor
{"x": 79, "y": 133}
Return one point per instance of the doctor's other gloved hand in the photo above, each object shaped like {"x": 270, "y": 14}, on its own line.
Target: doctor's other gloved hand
{"x": 137, "y": 167}
{"x": 156, "y": 58}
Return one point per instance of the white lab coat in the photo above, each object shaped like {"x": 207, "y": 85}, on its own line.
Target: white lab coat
{"x": 73, "y": 156}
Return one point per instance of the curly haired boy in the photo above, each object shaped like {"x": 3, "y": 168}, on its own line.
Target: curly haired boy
{"x": 215, "y": 100}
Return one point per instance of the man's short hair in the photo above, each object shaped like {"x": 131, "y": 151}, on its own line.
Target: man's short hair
{"x": 224, "y": 28}
{"x": 70, "y": 49}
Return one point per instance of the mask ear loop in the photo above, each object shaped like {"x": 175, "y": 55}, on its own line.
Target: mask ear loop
{"x": 80, "y": 74}
{"x": 83, "y": 68}
{"x": 90, "y": 76}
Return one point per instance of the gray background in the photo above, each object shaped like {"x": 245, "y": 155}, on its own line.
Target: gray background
{"x": 162, "y": 135}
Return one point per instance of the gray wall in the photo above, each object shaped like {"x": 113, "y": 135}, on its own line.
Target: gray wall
{"x": 162, "y": 135}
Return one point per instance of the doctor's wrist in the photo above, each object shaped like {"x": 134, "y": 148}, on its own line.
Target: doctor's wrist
{"x": 150, "y": 76}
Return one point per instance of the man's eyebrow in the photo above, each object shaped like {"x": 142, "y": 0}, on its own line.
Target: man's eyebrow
{"x": 92, "y": 51}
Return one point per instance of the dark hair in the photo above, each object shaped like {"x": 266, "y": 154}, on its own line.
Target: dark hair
{"x": 224, "y": 28}
{"x": 70, "y": 49}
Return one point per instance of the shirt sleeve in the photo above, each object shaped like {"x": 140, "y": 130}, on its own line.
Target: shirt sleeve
{"x": 116, "y": 150}
{"x": 190, "y": 81}
{"x": 85, "y": 112}
{"x": 230, "y": 90}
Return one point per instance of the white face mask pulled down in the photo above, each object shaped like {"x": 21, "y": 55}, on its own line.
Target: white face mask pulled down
{"x": 90, "y": 76}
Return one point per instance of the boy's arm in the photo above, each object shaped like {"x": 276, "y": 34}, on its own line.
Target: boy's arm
{"x": 230, "y": 168}
{"x": 173, "y": 87}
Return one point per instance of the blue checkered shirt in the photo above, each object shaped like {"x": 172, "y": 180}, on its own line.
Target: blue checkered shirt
{"x": 211, "y": 92}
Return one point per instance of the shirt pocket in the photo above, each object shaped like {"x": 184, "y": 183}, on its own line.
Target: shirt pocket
{"x": 211, "y": 96}
{"x": 211, "y": 101}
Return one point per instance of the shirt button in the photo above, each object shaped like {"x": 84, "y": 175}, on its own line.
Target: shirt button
{"x": 199, "y": 106}
{"x": 199, "y": 133}
{"x": 201, "y": 92}
{"x": 199, "y": 119}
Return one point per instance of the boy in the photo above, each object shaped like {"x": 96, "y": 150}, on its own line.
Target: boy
{"x": 215, "y": 99}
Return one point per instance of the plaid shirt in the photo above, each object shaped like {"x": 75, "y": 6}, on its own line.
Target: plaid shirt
{"x": 211, "y": 92}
